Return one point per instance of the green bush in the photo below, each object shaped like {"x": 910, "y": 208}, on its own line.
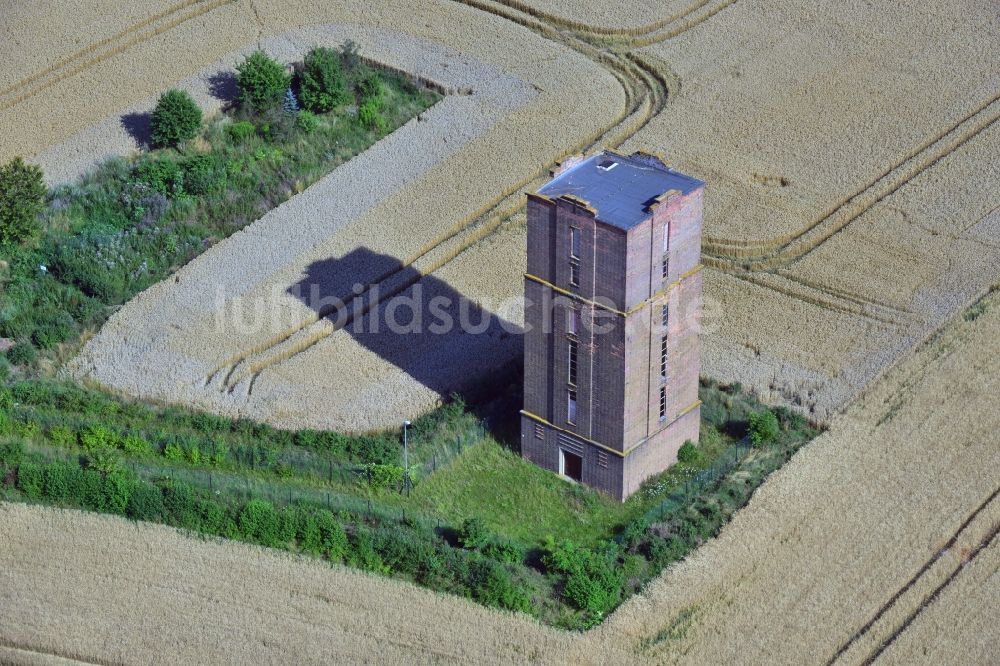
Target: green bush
{"x": 593, "y": 582}
{"x": 146, "y": 503}
{"x": 323, "y": 85}
{"x": 204, "y": 174}
{"x": 181, "y": 505}
{"x": 473, "y": 534}
{"x": 763, "y": 427}
{"x": 11, "y": 453}
{"x": 371, "y": 117}
{"x": 372, "y": 90}
{"x": 383, "y": 477}
{"x": 30, "y": 480}
{"x": 333, "y": 538}
{"x": 161, "y": 175}
{"x": 241, "y": 131}
{"x": 135, "y": 445}
{"x": 492, "y": 585}
{"x": 688, "y": 454}
{"x": 62, "y": 436}
{"x": 261, "y": 82}
{"x": 62, "y": 482}
{"x": 22, "y": 198}
{"x": 307, "y": 121}
{"x": 504, "y": 551}
{"x": 361, "y": 553}
{"x": 22, "y": 353}
{"x": 176, "y": 118}
{"x": 173, "y": 452}
{"x": 261, "y": 523}
{"x": 96, "y": 437}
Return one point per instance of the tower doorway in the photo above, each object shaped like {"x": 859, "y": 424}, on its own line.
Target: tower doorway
{"x": 570, "y": 465}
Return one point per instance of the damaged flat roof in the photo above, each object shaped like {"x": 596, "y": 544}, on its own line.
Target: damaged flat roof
{"x": 619, "y": 188}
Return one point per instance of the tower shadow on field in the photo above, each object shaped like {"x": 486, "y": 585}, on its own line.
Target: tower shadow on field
{"x": 428, "y": 329}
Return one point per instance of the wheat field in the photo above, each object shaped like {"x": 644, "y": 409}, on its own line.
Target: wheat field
{"x": 851, "y": 216}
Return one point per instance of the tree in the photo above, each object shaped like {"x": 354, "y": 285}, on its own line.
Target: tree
{"x": 176, "y": 118}
{"x": 323, "y": 86}
{"x": 261, "y": 82}
{"x": 22, "y": 197}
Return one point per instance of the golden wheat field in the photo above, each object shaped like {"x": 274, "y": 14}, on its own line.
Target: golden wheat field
{"x": 851, "y": 216}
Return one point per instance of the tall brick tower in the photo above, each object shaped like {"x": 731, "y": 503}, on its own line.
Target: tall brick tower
{"x": 613, "y": 299}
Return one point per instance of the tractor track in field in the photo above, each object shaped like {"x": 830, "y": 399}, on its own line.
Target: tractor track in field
{"x": 87, "y": 57}
{"x": 912, "y": 583}
{"x": 646, "y": 91}
{"x": 777, "y": 253}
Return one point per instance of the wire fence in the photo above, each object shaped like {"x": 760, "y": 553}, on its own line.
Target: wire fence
{"x": 705, "y": 478}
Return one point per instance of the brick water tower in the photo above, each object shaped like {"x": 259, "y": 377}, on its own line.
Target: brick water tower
{"x": 613, "y": 300}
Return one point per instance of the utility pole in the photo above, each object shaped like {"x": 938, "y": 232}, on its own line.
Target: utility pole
{"x": 406, "y": 459}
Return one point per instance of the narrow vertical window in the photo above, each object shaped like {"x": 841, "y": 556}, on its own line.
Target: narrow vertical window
{"x": 663, "y": 357}
{"x": 571, "y": 406}
{"x": 573, "y": 321}
{"x": 663, "y": 402}
{"x": 572, "y": 362}
{"x": 574, "y": 242}
{"x": 666, "y": 249}
{"x": 574, "y": 274}
{"x": 665, "y": 315}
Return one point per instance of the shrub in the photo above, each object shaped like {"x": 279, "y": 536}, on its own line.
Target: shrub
{"x": 492, "y": 585}
{"x": 323, "y": 86}
{"x": 30, "y": 479}
{"x": 596, "y": 590}
{"x": 372, "y": 90}
{"x": 22, "y": 197}
{"x": 333, "y": 539}
{"x": 204, "y": 174}
{"x": 307, "y": 121}
{"x": 370, "y": 116}
{"x": 763, "y": 427}
{"x": 62, "y": 436}
{"x": 146, "y": 503}
{"x": 383, "y": 476}
{"x": 176, "y": 118}
{"x": 504, "y": 551}
{"x": 594, "y": 581}
{"x": 173, "y": 452}
{"x": 62, "y": 481}
{"x": 241, "y": 131}
{"x": 161, "y": 175}
{"x": 96, "y": 437}
{"x": 181, "y": 505}
{"x": 11, "y": 453}
{"x": 473, "y": 533}
{"x": 261, "y": 82}
{"x": 688, "y": 454}
{"x": 260, "y": 522}
{"x": 22, "y": 353}
{"x": 362, "y": 554}
{"x": 135, "y": 445}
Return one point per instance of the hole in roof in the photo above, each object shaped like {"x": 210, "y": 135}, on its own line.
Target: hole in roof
{"x": 607, "y": 164}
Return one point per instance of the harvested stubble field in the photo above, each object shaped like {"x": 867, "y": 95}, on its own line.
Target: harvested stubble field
{"x": 840, "y": 234}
